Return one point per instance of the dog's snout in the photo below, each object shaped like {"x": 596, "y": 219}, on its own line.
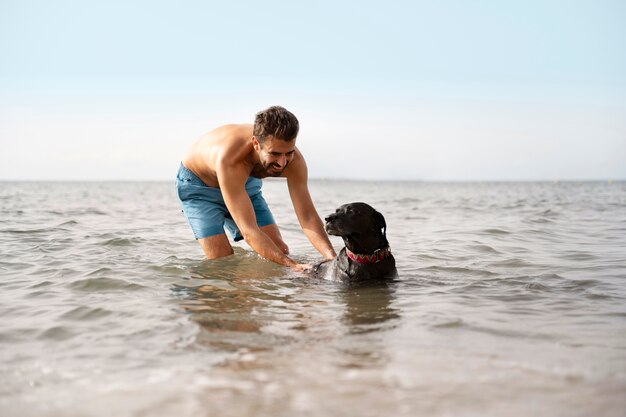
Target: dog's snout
{"x": 330, "y": 217}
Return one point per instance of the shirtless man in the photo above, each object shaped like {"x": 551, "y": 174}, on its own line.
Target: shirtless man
{"x": 219, "y": 184}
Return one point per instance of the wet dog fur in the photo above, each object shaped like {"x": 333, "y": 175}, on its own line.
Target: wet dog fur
{"x": 363, "y": 231}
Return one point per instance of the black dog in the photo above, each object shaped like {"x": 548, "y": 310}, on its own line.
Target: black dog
{"x": 367, "y": 255}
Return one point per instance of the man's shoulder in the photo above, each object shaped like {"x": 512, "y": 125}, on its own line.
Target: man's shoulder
{"x": 229, "y": 133}
{"x": 233, "y": 141}
{"x": 297, "y": 169}
{"x": 299, "y": 159}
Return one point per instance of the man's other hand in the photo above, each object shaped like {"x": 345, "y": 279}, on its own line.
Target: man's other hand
{"x": 302, "y": 267}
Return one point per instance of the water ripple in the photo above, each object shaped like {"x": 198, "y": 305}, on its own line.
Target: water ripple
{"x": 82, "y": 313}
{"x": 103, "y": 284}
{"x": 494, "y": 231}
{"x": 57, "y": 333}
{"x": 120, "y": 241}
{"x": 456, "y": 270}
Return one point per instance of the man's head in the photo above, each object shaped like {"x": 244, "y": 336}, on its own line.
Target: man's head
{"x": 277, "y": 122}
{"x": 274, "y": 139}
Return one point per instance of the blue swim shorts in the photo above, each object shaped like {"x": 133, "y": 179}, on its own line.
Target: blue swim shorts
{"x": 206, "y": 211}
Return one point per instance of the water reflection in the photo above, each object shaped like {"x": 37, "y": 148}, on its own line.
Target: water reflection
{"x": 369, "y": 306}
{"x": 223, "y": 297}
{"x": 369, "y": 311}
{"x": 243, "y": 301}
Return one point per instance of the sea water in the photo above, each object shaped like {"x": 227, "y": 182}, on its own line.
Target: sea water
{"x": 510, "y": 301}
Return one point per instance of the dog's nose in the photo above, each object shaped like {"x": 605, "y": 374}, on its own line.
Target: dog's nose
{"x": 330, "y": 217}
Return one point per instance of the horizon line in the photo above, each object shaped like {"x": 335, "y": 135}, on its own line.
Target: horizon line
{"x": 272, "y": 179}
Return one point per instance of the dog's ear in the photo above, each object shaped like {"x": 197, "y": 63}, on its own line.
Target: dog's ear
{"x": 380, "y": 222}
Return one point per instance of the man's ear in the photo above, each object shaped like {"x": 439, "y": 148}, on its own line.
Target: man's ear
{"x": 256, "y": 144}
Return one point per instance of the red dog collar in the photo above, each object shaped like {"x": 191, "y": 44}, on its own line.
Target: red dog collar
{"x": 376, "y": 257}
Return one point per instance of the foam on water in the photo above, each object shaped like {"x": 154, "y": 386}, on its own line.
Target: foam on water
{"x": 510, "y": 301}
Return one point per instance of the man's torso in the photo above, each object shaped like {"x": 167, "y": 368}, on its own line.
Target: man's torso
{"x": 233, "y": 144}
{"x": 229, "y": 141}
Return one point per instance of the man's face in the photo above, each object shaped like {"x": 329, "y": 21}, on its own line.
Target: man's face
{"x": 275, "y": 155}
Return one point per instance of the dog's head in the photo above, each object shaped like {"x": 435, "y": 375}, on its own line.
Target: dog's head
{"x": 356, "y": 219}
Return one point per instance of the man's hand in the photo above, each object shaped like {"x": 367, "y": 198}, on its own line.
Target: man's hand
{"x": 302, "y": 267}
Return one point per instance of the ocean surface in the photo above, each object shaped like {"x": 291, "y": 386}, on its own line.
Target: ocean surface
{"x": 510, "y": 301}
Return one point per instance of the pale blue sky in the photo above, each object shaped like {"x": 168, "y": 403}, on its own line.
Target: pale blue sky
{"x": 448, "y": 90}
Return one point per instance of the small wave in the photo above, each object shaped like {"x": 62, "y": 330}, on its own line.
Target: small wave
{"x": 57, "y": 333}
{"x": 42, "y": 284}
{"x": 450, "y": 324}
{"x": 485, "y": 249}
{"x": 574, "y": 255}
{"x": 76, "y": 212}
{"x": 495, "y": 231}
{"x": 15, "y": 266}
{"x": 458, "y": 323}
{"x": 615, "y": 314}
{"x": 100, "y": 271}
{"x": 103, "y": 283}
{"x": 511, "y": 263}
{"x": 597, "y": 296}
{"x": 532, "y": 282}
{"x": 121, "y": 241}
{"x": 540, "y": 220}
{"x": 527, "y": 284}
{"x": 169, "y": 270}
{"x": 536, "y": 286}
{"x": 511, "y": 333}
{"x": 27, "y": 231}
{"x": 406, "y": 200}
{"x": 41, "y": 294}
{"x": 474, "y": 285}
{"x": 538, "y": 232}
{"x": 55, "y": 245}
{"x": 517, "y": 249}
{"x": 426, "y": 257}
{"x": 94, "y": 211}
{"x": 582, "y": 283}
{"x": 549, "y": 213}
{"x": 456, "y": 270}
{"x": 86, "y": 313}
{"x": 61, "y": 227}
{"x": 68, "y": 223}
{"x": 84, "y": 211}
{"x": 16, "y": 335}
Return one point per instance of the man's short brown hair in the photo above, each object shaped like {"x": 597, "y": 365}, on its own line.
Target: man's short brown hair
{"x": 277, "y": 122}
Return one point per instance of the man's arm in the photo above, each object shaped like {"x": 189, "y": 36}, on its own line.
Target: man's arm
{"x": 232, "y": 179}
{"x": 312, "y": 226}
